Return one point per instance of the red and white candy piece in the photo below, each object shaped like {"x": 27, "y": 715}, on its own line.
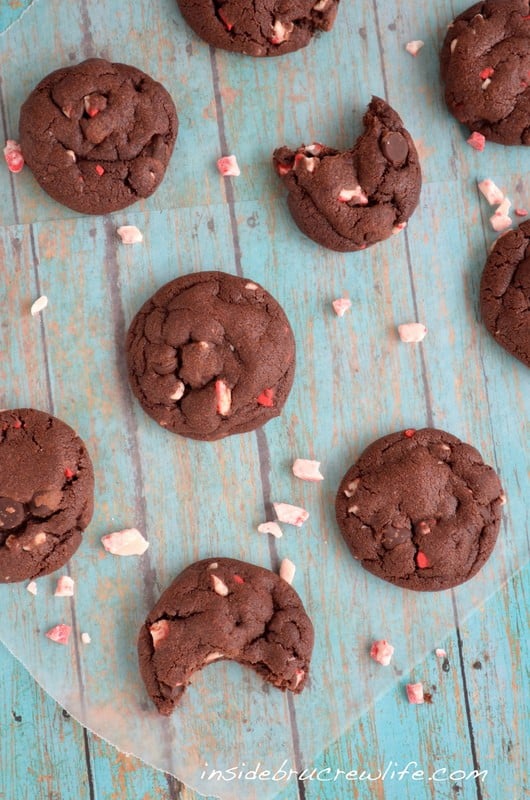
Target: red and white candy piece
{"x": 32, "y": 587}
{"x": 398, "y": 228}
{"x": 270, "y": 527}
{"x": 356, "y": 195}
{"x": 382, "y": 652}
{"x": 223, "y": 396}
{"x": 439, "y": 653}
{"x": 410, "y": 332}
{"x": 128, "y": 542}
{"x": 341, "y": 305}
{"x": 65, "y": 587}
{"x": 414, "y": 46}
{"x": 60, "y": 633}
{"x": 85, "y": 638}
{"x": 281, "y": 31}
{"x": 287, "y": 570}
{"x": 307, "y": 162}
{"x": 13, "y": 156}
{"x": 307, "y": 470}
{"x": 228, "y": 166}
{"x": 415, "y": 693}
{"x": 39, "y": 305}
{"x": 300, "y": 675}
{"x": 500, "y": 220}
{"x": 159, "y": 631}
{"x": 292, "y": 515}
{"x": 491, "y": 192}
{"x": 421, "y": 560}
{"x": 266, "y": 398}
{"x": 129, "y": 234}
{"x": 477, "y": 141}
{"x": 520, "y": 212}
{"x": 219, "y": 586}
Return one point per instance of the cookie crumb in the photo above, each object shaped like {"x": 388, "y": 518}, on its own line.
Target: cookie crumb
{"x": 415, "y": 693}
{"x": 65, "y": 587}
{"x": 128, "y": 542}
{"x": 287, "y": 570}
{"x": 341, "y": 305}
{"x": 382, "y": 652}
{"x": 85, "y": 638}
{"x": 491, "y": 192}
{"x": 292, "y": 515}
{"x": 270, "y": 527}
{"x": 60, "y": 633}
{"x": 39, "y": 305}
{"x": 307, "y": 470}
{"x": 412, "y": 332}
{"x": 32, "y": 587}
{"x": 414, "y": 47}
{"x": 13, "y": 156}
{"x": 228, "y": 166}
{"x": 477, "y": 141}
{"x": 130, "y": 234}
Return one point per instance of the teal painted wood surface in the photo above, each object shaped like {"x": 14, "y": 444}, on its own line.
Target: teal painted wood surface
{"x": 355, "y": 381}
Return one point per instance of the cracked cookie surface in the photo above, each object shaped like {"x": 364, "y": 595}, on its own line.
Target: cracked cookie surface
{"x": 349, "y": 200}
{"x": 46, "y": 493}
{"x": 259, "y": 27}
{"x": 505, "y": 292}
{"x": 211, "y": 354}
{"x": 98, "y": 136}
{"x": 420, "y": 509}
{"x": 221, "y": 608}
{"x": 485, "y": 65}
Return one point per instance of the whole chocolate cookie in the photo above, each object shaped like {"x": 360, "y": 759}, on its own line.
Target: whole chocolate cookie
{"x": 210, "y": 355}
{"x": 485, "y": 64}
{"x": 350, "y": 200}
{"x": 505, "y": 292}
{"x": 224, "y": 609}
{"x": 98, "y": 136}
{"x": 46, "y": 493}
{"x": 420, "y": 509}
{"x": 260, "y": 27}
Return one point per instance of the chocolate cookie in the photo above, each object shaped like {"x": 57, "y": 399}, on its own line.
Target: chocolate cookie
{"x": 348, "y": 201}
{"x": 46, "y": 493}
{"x": 98, "y": 136}
{"x": 224, "y": 609}
{"x": 260, "y": 27}
{"x": 211, "y": 354}
{"x": 505, "y": 292}
{"x": 485, "y": 64}
{"x": 420, "y": 509}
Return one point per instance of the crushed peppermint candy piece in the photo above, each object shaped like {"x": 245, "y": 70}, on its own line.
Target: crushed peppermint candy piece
{"x": 520, "y": 212}
{"x": 85, "y": 638}
{"x": 477, "y": 141}
{"x": 421, "y": 560}
{"x": 292, "y": 515}
{"x": 287, "y": 570}
{"x": 65, "y": 587}
{"x": 128, "y": 542}
{"x": 159, "y": 631}
{"x": 491, "y": 192}
{"x": 382, "y": 652}
{"x": 341, "y": 305}
{"x": 223, "y": 395}
{"x": 439, "y": 653}
{"x": 356, "y": 194}
{"x": 415, "y": 693}
{"x": 487, "y": 72}
{"x": 266, "y": 398}
{"x": 414, "y": 47}
{"x": 100, "y": 170}
{"x": 219, "y": 586}
{"x": 178, "y": 391}
{"x": 228, "y": 166}
{"x": 60, "y": 633}
{"x": 486, "y": 83}
{"x": 453, "y": 45}
{"x": 282, "y": 31}
{"x": 504, "y": 208}
{"x": 300, "y": 675}
{"x": 13, "y": 156}
{"x": 32, "y": 587}
{"x": 308, "y": 162}
{"x": 412, "y": 332}
{"x": 130, "y": 234}
{"x": 270, "y": 527}
{"x": 39, "y": 305}
{"x": 307, "y": 470}
{"x": 215, "y": 656}
{"x": 398, "y": 228}
{"x": 500, "y": 220}
{"x": 409, "y": 433}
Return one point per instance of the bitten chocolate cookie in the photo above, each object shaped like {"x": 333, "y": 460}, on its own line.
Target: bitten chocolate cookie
{"x": 348, "y": 201}
{"x": 505, "y": 292}
{"x": 224, "y": 609}
{"x": 485, "y": 65}
{"x": 260, "y": 27}
{"x": 46, "y": 493}
{"x": 98, "y": 136}
{"x": 420, "y": 509}
{"x": 210, "y": 355}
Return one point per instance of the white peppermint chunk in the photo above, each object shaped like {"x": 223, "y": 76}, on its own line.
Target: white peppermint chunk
{"x": 414, "y": 47}
{"x": 412, "y": 332}
{"x": 32, "y": 587}
{"x": 219, "y": 586}
{"x": 129, "y": 234}
{"x": 356, "y": 195}
{"x": 85, "y": 638}
{"x": 128, "y": 542}
{"x": 491, "y": 192}
{"x": 341, "y": 305}
{"x": 39, "y": 305}
{"x": 270, "y": 527}
{"x": 65, "y": 587}
{"x": 287, "y": 570}
{"x": 292, "y": 515}
{"x": 307, "y": 470}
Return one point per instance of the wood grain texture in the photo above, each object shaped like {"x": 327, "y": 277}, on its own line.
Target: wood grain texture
{"x": 355, "y": 381}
